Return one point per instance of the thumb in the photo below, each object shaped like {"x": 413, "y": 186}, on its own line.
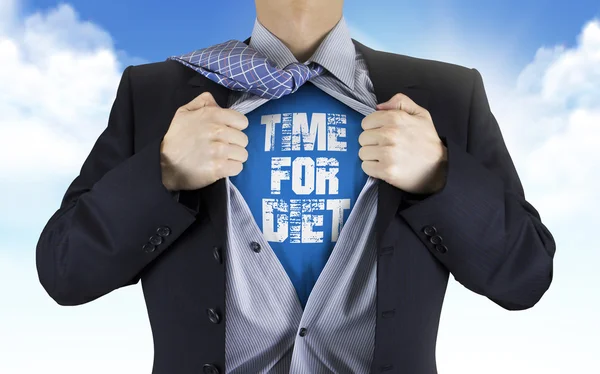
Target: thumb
{"x": 200, "y": 101}
{"x": 401, "y": 102}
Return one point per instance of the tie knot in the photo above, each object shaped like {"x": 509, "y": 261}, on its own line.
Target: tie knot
{"x": 301, "y": 73}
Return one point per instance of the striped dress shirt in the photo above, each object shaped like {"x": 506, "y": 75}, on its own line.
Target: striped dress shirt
{"x": 267, "y": 329}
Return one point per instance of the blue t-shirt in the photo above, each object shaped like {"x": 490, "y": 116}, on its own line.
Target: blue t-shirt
{"x": 302, "y": 178}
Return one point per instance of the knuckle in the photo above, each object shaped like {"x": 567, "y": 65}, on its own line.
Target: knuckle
{"x": 221, "y": 149}
{"x": 215, "y": 170}
{"x": 394, "y": 116}
{"x": 385, "y": 153}
{"x": 208, "y": 111}
{"x": 217, "y": 150}
{"x": 209, "y": 132}
{"x": 205, "y": 95}
{"x": 391, "y": 134}
{"x": 401, "y": 116}
{"x": 217, "y": 131}
{"x": 389, "y": 154}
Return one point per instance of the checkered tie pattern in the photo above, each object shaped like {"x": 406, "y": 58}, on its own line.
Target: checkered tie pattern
{"x": 239, "y": 67}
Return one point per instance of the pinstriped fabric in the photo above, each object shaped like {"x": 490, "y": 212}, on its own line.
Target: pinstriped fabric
{"x": 348, "y": 80}
{"x": 263, "y": 313}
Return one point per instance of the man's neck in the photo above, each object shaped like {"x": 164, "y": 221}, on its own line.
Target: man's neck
{"x": 300, "y": 28}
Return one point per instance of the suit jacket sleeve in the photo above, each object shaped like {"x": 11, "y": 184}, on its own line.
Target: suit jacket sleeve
{"x": 496, "y": 243}
{"x": 94, "y": 242}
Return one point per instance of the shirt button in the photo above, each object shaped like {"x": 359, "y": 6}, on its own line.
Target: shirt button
{"x": 255, "y": 247}
{"x": 302, "y": 332}
{"x": 213, "y": 315}
{"x": 155, "y": 240}
{"x": 163, "y": 231}
{"x": 217, "y": 254}
{"x": 149, "y": 247}
{"x": 210, "y": 369}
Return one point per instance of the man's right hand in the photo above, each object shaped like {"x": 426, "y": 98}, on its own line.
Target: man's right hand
{"x": 204, "y": 143}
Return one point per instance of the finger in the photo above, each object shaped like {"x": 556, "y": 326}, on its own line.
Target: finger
{"x": 402, "y": 102}
{"x": 236, "y": 153}
{"x": 232, "y": 118}
{"x": 372, "y": 169}
{"x": 373, "y": 121}
{"x": 370, "y": 153}
{"x": 200, "y": 101}
{"x": 375, "y": 137}
{"x": 230, "y": 168}
{"x": 229, "y": 135}
{"x": 223, "y": 116}
{"x": 384, "y": 118}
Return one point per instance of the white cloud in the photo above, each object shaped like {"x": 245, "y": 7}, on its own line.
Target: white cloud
{"x": 551, "y": 119}
{"x": 58, "y": 77}
{"x": 575, "y": 74}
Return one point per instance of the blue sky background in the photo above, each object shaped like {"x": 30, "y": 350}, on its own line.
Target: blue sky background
{"x": 161, "y": 28}
{"x": 540, "y": 60}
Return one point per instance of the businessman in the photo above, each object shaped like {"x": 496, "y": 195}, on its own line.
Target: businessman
{"x": 296, "y": 202}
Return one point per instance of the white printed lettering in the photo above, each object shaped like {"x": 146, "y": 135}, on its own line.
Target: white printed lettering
{"x": 303, "y": 175}
{"x": 277, "y": 174}
{"x": 327, "y": 171}
{"x": 275, "y": 230}
{"x": 270, "y": 121}
{"x": 337, "y": 207}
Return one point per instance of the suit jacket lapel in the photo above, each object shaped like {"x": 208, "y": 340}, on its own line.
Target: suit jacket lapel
{"x": 212, "y": 198}
{"x": 389, "y": 76}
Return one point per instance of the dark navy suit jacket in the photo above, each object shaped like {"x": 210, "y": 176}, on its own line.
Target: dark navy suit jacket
{"x": 118, "y": 224}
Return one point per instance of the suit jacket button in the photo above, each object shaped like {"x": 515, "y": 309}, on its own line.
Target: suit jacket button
{"x": 441, "y": 248}
{"x": 429, "y": 230}
{"x": 213, "y": 315}
{"x": 436, "y": 239}
{"x": 163, "y": 231}
{"x": 149, "y": 247}
{"x": 217, "y": 254}
{"x": 155, "y": 240}
{"x": 210, "y": 369}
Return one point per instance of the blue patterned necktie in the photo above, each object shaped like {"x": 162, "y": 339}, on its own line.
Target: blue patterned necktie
{"x": 238, "y": 67}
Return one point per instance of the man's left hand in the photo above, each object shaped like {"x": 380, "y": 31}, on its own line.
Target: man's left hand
{"x": 401, "y": 146}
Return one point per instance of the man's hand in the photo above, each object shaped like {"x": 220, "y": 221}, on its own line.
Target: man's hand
{"x": 204, "y": 143}
{"x": 400, "y": 145}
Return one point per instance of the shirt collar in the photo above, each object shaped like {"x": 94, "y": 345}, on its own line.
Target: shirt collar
{"x": 336, "y": 53}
